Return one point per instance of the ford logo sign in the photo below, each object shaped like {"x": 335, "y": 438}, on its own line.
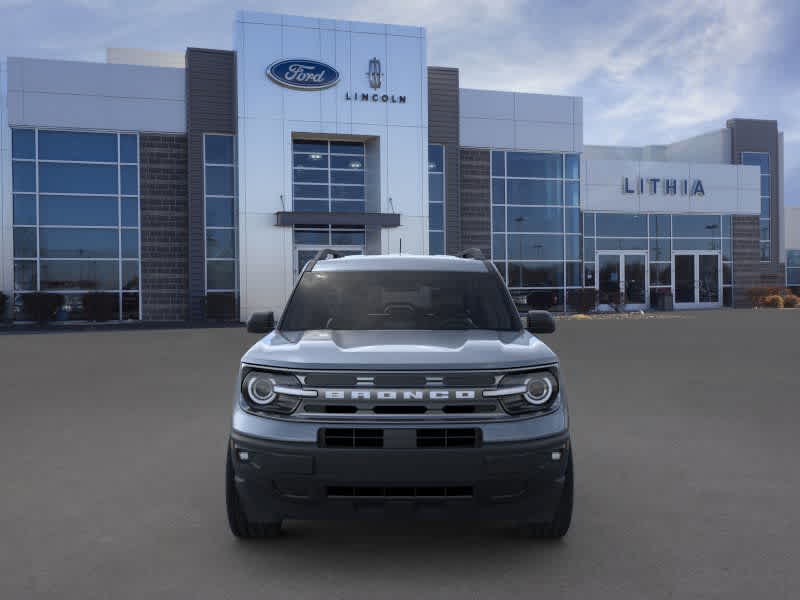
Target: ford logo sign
{"x": 303, "y": 74}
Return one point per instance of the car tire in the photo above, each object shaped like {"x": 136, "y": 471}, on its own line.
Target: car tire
{"x": 559, "y": 526}
{"x": 239, "y": 524}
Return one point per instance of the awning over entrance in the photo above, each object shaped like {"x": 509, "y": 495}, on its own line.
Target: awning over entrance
{"x": 287, "y": 219}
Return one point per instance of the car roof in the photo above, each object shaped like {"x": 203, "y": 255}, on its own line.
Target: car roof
{"x": 400, "y": 262}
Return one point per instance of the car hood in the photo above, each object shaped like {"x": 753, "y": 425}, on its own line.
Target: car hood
{"x": 395, "y": 350}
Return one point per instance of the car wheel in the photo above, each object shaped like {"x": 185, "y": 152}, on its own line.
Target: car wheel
{"x": 558, "y": 527}
{"x": 239, "y": 524}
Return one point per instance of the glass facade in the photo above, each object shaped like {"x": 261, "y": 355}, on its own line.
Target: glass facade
{"x": 436, "y": 199}
{"x": 221, "y": 223}
{"x": 76, "y": 219}
{"x": 536, "y": 225}
{"x": 328, "y": 176}
{"x": 761, "y": 160}
{"x": 660, "y": 235}
{"x": 793, "y": 268}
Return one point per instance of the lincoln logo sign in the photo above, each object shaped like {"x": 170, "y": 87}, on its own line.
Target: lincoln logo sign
{"x": 667, "y": 186}
{"x": 302, "y": 74}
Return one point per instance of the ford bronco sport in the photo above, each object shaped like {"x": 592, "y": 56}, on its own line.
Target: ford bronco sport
{"x": 399, "y": 386}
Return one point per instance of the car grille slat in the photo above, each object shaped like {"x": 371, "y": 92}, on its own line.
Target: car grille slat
{"x": 428, "y": 438}
{"x": 400, "y": 492}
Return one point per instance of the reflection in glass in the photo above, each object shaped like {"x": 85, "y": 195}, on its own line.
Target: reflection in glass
{"x": 80, "y": 275}
{"x": 621, "y": 225}
{"x": 219, "y": 181}
{"x": 220, "y": 243}
{"x": 57, "y": 242}
{"x": 77, "y": 210}
{"x": 23, "y": 144}
{"x": 77, "y": 146}
{"x": 25, "y": 275}
{"x": 531, "y": 164}
{"x": 532, "y": 191}
{"x": 221, "y": 274}
{"x": 684, "y": 278}
{"x": 24, "y": 209}
{"x": 535, "y": 247}
{"x": 219, "y": 212}
{"x": 25, "y": 242}
{"x": 67, "y": 178}
{"x": 219, "y": 149}
{"x": 533, "y": 274}
{"x": 535, "y": 219}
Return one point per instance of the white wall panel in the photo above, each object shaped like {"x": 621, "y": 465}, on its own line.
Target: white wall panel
{"x": 486, "y": 133}
{"x": 540, "y": 135}
{"x": 486, "y": 104}
{"x": 363, "y": 47}
{"x": 541, "y": 107}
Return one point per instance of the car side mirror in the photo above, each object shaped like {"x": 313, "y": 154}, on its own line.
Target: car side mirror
{"x": 541, "y": 321}
{"x": 261, "y": 322}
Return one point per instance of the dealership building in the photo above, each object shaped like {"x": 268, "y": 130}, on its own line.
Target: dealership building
{"x": 195, "y": 186}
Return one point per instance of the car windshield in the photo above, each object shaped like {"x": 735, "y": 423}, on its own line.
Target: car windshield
{"x": 428, "y": 300}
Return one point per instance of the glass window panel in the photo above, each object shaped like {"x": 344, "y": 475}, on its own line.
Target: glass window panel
{"x": 532, "y": 164}
{"x": 572, "y": 191}
{"x": 588, "y": 224}
{"x": 727, "y": 297}
{"x": 358, "y": 177}
{"x": 572, "y": 245}
{"x": 221, "y": 274}
{"x": 311, "y": 205}
{"x": 219, "y": 181}
{"x": 727, "y": 273}
{"x": 537, "y": 219}
{"x": 25, "y": 242}
{"x": 765, "y": 185}
{"x": 77, "y": 210}
{"x": 622, "y": 225}
{"x": 765, "y": 208}
{"x": 347, "y": 238}
{"x": 344, "y": 162}
{"x": 24, "y": 209}
{"x": 696, "y": 225}
{"x": 763, "y": 229}
{"x": 727, "y": 249}
{"x": 552, "y": 300}
{"x": 759, "y": 159}
{"x": 79, "y": 275}
{"x": 793, "y": 277}
{"x": 573, "y": 274}
{"x": 77, "y": 179}
{"x": 436, "y": 188}
{"x": 535, "y": 247}
{"x": 311, "y": 175}
{"x": 130, "y": 212}
{"x": 219, "y": 212}
{"x": 498, "y": 218}
{"x": 220, "y": 243}
{"x": 765, "y": 250}
{"x": 57, "y": 242}
{"x": 499, "y": 247}
{"x": 310, "y": 146}
{"x": 588, "y": 274}
{"x": 660, "y": 226}
{"x": 347, "y": 148}
{"x": 533, "y": 274}
{"x": 660, "y": 274}
{"x": 130, "y": 307}
{"x": 793, "y": 258}
{"x": 316, "y": 161}
{"x": 130, "y": 243}
{"x": 435, "y": 158}
{"x": 23, "y": 143}
{"x": 588, "y": 249}
{"x": 436, "y": 216}
{"x": 572, "y": 220}
{"x": 310, "y": 191}
{"x": 660, "y": 249}
{"x": 436, "y": 242}
{"x": 219, "y": 149}
{"x": 25, "y": 275}
{"x": 130, "y": 274}
{"x": 347, "y": 192}
{"x": 129, "y": 183}
{"x": 498, "y": 191}
{"x": 77, "y": 145}
{"x": 573, "y": 166}
{"x": 311, "y": 237}
{"x": 498, "y": 163}
{"x": 128, "y": 148}
{"x": 621, "y": 243}
{"x": 23, "y": 176}
{"x": 348, "y": 206}
{"x": 527, "y": 191}
{"x": 727, "y": 226}
{"x": 695, "y": 244}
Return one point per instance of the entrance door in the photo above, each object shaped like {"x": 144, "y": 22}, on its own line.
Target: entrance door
{"x": 303, "y": 254}
{"x": 697, "y": 279}
{"x": 622, "y": 279}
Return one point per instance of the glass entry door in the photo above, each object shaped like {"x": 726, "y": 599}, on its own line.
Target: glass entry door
{"x": 697, "y": 280}
{"x": 622, "y": 279}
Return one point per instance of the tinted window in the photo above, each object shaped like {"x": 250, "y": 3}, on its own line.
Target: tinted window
{"x": 353, "y": 300}
{"x": 660, "y": 226}
{"x": 498, "y": 218}
{"x": 695, "y": 244}
{"x": 219, "y": 149}
{"x": 435, "y": 189}
{"x": 311, "y": 237}
{"x": 532, "y": 274}
{"x": 357, "y": 177}
{"x": 130, "y": 243}
{"x": 310, "y": 146}
{"x": 78, "y": 243}
{"x": 129, "y": 180}
{"x": 498, "y": 191}
{"x": 73, "y": 145}
{"x": 317, "y": 161}
{"x": 436, "y": 242}
{"x": 660, "y": 249}
{"x": 588, "y": 224}
{"x": 219, "y": 212}
{"x": 25, "y": 275}
{"x": 347, "y": 148}
{"x": 220, "y": 243}
{"x": 573, "y": 166}
{"x": 23, "y": 143}
{"x": 696, "y": 225}
{"x": 435, "y": 158}
{"x": 572, "y": 220}
{"x": 77, "y": 210}
{"x": 498, "y": 163}
{"x": 347, "y": 238}
{"x": 529, "y": 164}
{"x": 347, "y": 206}
{"x": 572, "y": 193}
{"x": 219, "y": 181}
{"x": 572, "y": 243}
{"x": 535, "y": 247}
{"x": 77, "y": 179}
{"x": 436, "y": 216}
{"x": 221, "y": 274}
{"x": 24, "y": 209}
{"x": 347, "y": 192}
{"x": 621, "y": 244}
{"x": 540, "y": 220}
{"x": 531, "y": 191}
{"x": 25, "y": 242}
{"x": 339, "y": 162}
{"x": 80, "y": 275}
{"x": 23, "y": 176}
{"x": 623, "y": 225}
{"x": 128, "y": 151}
{"x": 130, "y": 212}
{"x": 130, "y": 275}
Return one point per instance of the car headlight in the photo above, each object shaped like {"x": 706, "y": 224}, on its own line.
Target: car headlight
{"x": 539, "y": 388}
{"x": 520, "y": 393}
{"x": 272, "y": 392}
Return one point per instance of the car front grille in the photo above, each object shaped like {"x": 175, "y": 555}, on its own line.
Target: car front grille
{"x": 399, "y": 439}
{"x": 400, "y": 493}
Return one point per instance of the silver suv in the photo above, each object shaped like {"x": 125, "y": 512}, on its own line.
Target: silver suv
{"x": 399, "y": 387}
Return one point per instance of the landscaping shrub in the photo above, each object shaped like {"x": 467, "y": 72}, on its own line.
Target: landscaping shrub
{"x": 790, "y": 301}
{"x": 41, "y": 306}
{"x": 773, "y": 301}
{"x": 99, "y": 306}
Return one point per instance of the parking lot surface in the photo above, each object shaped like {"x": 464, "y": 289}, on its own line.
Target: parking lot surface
{"x": 685, "y": 429}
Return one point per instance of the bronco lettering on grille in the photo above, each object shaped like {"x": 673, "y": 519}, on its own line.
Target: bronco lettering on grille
{"x": 399, "y": 394}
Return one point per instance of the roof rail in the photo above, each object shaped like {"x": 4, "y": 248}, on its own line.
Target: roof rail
{"x": 327, "y": 253}
{"x": 471, "y": 253}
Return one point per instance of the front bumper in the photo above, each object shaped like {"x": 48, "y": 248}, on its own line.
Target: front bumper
{"x": 519, "y": 481}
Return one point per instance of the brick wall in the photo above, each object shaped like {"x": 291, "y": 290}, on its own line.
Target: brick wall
{"x": 476, "y": 220}
{"x": 746, "y": 254}
{"x": 165, "y": 227}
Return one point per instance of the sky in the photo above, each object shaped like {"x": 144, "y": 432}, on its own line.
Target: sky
{"x": 649, "y": 72}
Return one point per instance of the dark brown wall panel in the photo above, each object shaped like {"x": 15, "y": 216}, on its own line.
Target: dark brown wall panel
{"x": 476, "y": 205}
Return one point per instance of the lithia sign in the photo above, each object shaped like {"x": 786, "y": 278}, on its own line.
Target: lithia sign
{"x": 667, "y": 186}
{"x": 306, "y": 74}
